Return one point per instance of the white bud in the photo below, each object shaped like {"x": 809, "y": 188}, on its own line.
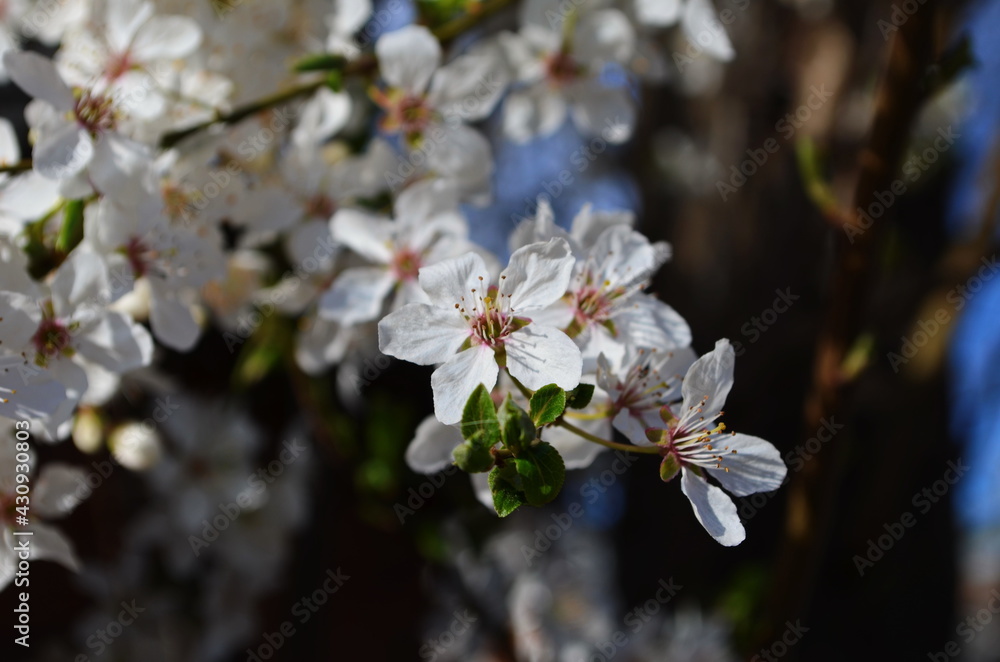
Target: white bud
{"x": 136, "y": 446}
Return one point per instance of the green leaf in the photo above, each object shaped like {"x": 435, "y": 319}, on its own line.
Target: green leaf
{"x": 669, "y": 467}
{"x": 506, "y": 499}
{"x": 473, "y": 459}
{"x": 320, "y": 62}
{"x": 516, "y": 426}
{"x": 480, "y": 426}
{"x": 542, "y": 473}
{"x": 580, "y": 397}
{"x": 71, "y": 231}
{"x": 547, "y": 404}
{"x": 335, "y": 80}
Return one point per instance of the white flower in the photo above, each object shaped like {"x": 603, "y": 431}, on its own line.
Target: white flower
{"x": 610, "y": 311}
{"x": 558, "y": 74}
{"x": 56, "y": 493}
{"x": 697, "y": 19}
{"x": 346, "y": 19}
{"x": 25, "y": 197}
{"x": 136, "y": 446}
{"x": 427, "y": 229}
{"x": 649, "y": 378}
{"x": 470, "y": 326}
{"x": 605, "y": 307}
{"x": 695, "y": 443}
{"x": 49, "y": 328}
{"x": 428, "y": 105}
{"x": 125, "y": 52}
{"x": 76, "y": 131}
{"x": 140, "y": 242}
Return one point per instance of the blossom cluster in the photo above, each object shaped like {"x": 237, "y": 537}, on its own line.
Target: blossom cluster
{"x": 220, "y": 165}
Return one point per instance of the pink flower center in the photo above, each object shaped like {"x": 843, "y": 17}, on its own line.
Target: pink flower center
{"x": 561, "y": 69}
{"x": 117, "y": 65}
{"x": 320, "y": 206}
{"x": 593, "y": 304}
{"x": 95, "y": 112}
{"x": 491, "y": 328}
{"x": 407, "y": 114}
{"x": 52, "y": 338}
{"x": 406, "y": 264}
{"x": 490, "y": 317}
{"x": 140, "y": 257}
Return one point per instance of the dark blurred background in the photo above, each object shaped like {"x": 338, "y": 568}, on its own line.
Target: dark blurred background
{"x": 734, "y": 251}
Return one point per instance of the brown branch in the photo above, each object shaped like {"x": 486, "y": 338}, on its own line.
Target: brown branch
{"x": 812, "y": 492}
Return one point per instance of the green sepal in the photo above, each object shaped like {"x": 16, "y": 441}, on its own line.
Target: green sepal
{"x": 669, "y": 467}
{"x": 516, "y": 427}
{"x": 473, "y": 459}
{"x": 580, "y": 397}
{"x": 506, "y": 498}
{"x": 542, "y": 473}
{"x": 547, "y": 404}
{"x": 320, "y": 62}
{"x": 71, "y": 232}
{"x": 480, "y": 426}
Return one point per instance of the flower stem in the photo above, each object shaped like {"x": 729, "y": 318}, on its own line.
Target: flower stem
{"x": 20, "y": 166}
{"x": 627, "y": 448}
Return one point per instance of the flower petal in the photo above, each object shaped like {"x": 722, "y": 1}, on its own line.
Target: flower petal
{"x": 755, "y": 466}
{"x": 605, "y": 35}
{"x": 700, "y": 20}
{"x": 537, "y": 275}
{"x": 532, "y": 112}
{"x": 713, "y": 508}
{"x": 166, "y": 38}
{"x": 422, "y": 334}
{"x": 37, "y": 76}
{"x": 58, "y": 490}
{"x": 602, "y": 111}
{"x": 455, "y": 381}
{"x": 450, "y": 281}
{"x": 48, "y": 543}
{"x": 430, "y": 450}
{"x": 357, "y": 295}
{"x": 538, "y": 355}
{"x": 408, "y": 57}
{"x": 709, "y": 379}
{"x": 648, "y": 322}
{"x": 366, "y": 234}
{"x": 172, "y": 321}
{"x": 63, "y": 152}
{"x": 117, "y": 343}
